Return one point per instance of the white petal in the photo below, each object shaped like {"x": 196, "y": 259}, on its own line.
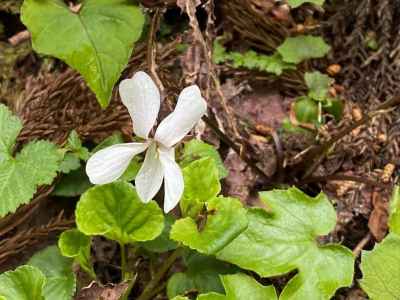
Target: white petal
{"x": 188, "y": 111}
{"x": 141, "y": 97}
{"x": 173, "y": 179}
{"x": 149, "y": 179}
{"x": 110, "y": 163}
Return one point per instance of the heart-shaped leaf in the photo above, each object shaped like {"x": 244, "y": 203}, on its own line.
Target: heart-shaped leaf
{"x": 25, "y": 283}
{"x": 96, "y": 38}
{"x": 75, "y": 244}
{"x": 380, "y": 268}
{"x": 283, "y": 240}
{"x": 242, "y": 287}
{"x": 201, "y": 184}
{"x": 318, "y": 85}
{"x": 115, "y": 211}
{"x": 35, "y": 165}
{"x": 196, "y": 149}
{"x": 61, "y": 281}
{"x": 222, "y": 221}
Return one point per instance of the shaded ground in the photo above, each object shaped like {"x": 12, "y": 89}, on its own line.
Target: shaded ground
{"x": 357, "y": 171}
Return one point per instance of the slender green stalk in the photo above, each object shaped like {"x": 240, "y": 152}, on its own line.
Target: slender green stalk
{"x": 124, "y": 273}
{"x": 151, "y": 288}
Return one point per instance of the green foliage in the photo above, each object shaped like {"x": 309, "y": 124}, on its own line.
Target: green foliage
{"x": 25, "y": 283}
{"x": 97, "y": 40}
{"x": 75, "y": 244}
{"x": 72, "y": 184}
{"x": 74, "y": 144}
{"x": 115, "y": 211}
{"x": 35, "y": 165}
{"x": 318, "y": 85}
{"x": 394, "y": 217}
{"x": 380, "y": 268}
{"x": 60, "y": 280}
{"x": 201, "y": 184}
{"x": 221, "y": 222}
{"x": 280, "y": 241}
{"x": 162, "y": 243}
{"x": 297, "y": 49}
{"x": 297, "y": 3}
{"x": 201, "y": 275}
{"x": 196, "y": 149}
{"x": 242, "y": 287}
{"x": 306, "y": 110}
{"x": 251, "y": 60}
{"x": 10, "y": 126}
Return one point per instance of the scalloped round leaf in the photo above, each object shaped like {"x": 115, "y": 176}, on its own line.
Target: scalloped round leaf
{"x": 61, "y": 281}
{"x": 318, "y": 85}
{"x": 302, "y": 47}
{"x": 37, "y": 164}
{"x": 97, "y": 40}
{"x": 75, "y": 244}
{"x": 196, "y": 149}
{"x": 284, "y": 239}
{"x": 115, "y": 211}
{"x": 306, "y": 110}
{"x": 380, "y": 268}
{"x": 201, "y": 184}
{"x": 222, "y": 221}
{"x": 25, "y": 283}
{"x": 10, "y": 127}
{"x": 242, "y": 287}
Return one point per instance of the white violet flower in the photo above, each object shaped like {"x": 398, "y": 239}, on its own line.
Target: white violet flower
{"x": 141, "y": 97}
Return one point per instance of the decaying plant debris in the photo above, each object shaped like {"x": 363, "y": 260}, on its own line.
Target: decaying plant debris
{"x": 357, "y": 170}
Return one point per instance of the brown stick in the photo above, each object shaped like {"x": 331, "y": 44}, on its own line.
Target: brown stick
{"x": 19, "y": 38}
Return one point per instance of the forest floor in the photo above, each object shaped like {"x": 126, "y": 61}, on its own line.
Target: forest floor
{"x": 354, "y": 160}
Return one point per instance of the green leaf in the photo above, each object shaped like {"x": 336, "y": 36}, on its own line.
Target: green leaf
{"x": 115, "y": 211}
{"x": 162, "y": 243}
{"x": 201, "y": 184}
{"x": 297, "y": 3}
{"x": 306, "y": 110}
{"x": 334, "y": 107}
{"x": 394, "y": 216}
{"x": 201, "y": 275}
{"x": 97, "y": 41}
{"x": 25, "y": 283}
{"x": 35, "y": 165}
{"x": 75, "y": 244}
{"x": 380, "y": 268}
{"x": 297, "y": 49}
{"x": 10, "y": 126}
{"x": 70, "y": 163}
{"x": 180, "y": 298}
{"x": 273, "y": 64}
{"x": 61, "y": 281}
{"x": 283, "y": 240}
{"x": 196, "y": 149}
{"x": 74, "y": 144}
{"x": 318, "y": 85}
{"x": 224, "y": 219}
{"x": 115, "y": 138}
{"x": 73, "y": 184}
{"x": 242, "y": 287}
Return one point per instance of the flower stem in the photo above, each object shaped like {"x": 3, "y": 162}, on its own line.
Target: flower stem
{"x": 124, "y": 274}
{"x": 151, "y": 288}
